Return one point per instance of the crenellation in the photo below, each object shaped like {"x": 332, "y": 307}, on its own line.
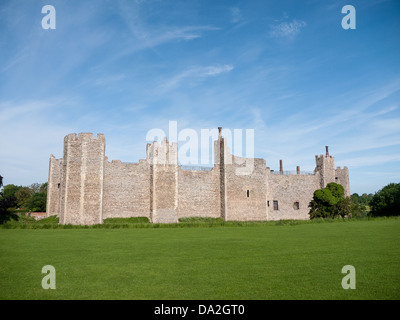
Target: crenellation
{"x": 84, "y": 187}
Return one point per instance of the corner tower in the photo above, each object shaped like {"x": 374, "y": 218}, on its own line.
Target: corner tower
{"x": 82, "y": 179}
{"x": 325, "y": 165}
{"x": 163, "y": 159}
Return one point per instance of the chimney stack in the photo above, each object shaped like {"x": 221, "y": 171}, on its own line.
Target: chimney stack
{"x": 280, "y": 166}
{"x": 327, "y": 151}
{"x": 298, "y": 169}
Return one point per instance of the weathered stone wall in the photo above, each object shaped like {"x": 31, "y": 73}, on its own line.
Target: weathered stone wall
{"x": 342, "y": 177}
{"x": 163, "y": 159}
{"x": 54, "y": 186}
{"x": 245, "y": 189}
{"x": 126, "y": 189}
{"x": 198, "y": 193}
{"x": 85, "y": 188}
{"x": 82, "y": 191}
{"x": 325, "y": 165}
{"x": 287, "y": 190}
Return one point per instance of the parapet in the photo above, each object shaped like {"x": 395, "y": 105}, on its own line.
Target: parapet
{"x": 162, "y": 153}
{"x": 83, "y": 136}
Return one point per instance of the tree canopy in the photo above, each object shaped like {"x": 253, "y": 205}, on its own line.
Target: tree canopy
{"x": 330, "y": 202}
{"x": 32, "y": 198}
{"x": 386, "y": 202}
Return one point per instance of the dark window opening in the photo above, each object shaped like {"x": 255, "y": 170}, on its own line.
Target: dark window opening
{"x": 296, "y": 205}
{"x": 268, "y": 203}
{"x": 248, "y": 193}
{"x": 276, "y": 205}
{"x": 58, "y": 186}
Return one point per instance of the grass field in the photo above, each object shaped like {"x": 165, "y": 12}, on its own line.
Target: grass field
{"x": 260, "y": 261}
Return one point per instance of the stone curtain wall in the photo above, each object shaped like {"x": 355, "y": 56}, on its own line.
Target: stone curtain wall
{"x": 246, "y": 193}
{"x": 287, "y": 190}
{"x": 54, "y": 186}
{"x": 198, "y": 193}
{"x": 126, "y": 189}
{"x": 85, "y": 188}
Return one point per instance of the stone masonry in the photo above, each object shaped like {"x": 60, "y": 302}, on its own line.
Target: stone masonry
{"x": 85, "y": 188}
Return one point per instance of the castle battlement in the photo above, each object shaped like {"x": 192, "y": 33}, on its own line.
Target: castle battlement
{"x": 84, "y": 187}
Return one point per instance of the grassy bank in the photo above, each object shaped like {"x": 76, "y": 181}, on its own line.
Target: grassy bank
{"x": 270, "y": 261}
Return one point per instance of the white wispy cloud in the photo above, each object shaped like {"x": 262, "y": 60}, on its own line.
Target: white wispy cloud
{"x": 287, "y": 29}
{"x": 109, "y": 79}
{"x": 149, "y": 36}
{"x": 236, "y": 15}
{"x": 195, "y": 75}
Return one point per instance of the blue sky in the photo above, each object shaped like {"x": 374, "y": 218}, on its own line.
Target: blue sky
{"x": 286, "y": 69}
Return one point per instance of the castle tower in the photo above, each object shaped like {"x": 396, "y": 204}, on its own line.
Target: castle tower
{"x": 54, "y": 186}
{"x": 82, "y": 179}
{"x": 163, "y": 159}
{"x": 325, "y": 165}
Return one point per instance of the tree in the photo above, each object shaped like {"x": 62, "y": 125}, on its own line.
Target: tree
{"x": 330, "y": 202}
{"x": 386, "y": 202}
{"x": 345, "y": 207}
{"x": 6, "y": 201}
{"x": 336, "y": 189}
{"x": 37, "y": 202}
{"x": 9, "y": 192}
{"x": 22, "y": 195}
{"x": 360, "y": 206}
{"x": 35, "y": 187}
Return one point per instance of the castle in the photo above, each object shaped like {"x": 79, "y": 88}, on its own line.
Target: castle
{"x": 84, "y": 188}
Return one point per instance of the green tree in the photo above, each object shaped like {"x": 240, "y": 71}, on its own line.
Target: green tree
{"x": 9, "y": 192}
{"x": 35, "y": 187}
{"x": 336, "y": 190}
{"x": 345, "y": 207}
{"x": 22, "y": 195}
{"x": 6, "y": 201}
{"x": 330, "y": 202}
{"x": 37, "y": 202}
{"x": 386, "y": 202}
{"x": 360, "y": 207}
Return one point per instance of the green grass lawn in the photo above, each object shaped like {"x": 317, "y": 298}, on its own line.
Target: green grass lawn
{"x": 301, "y": 261}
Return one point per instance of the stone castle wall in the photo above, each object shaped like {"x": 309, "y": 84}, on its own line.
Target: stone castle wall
{"x": 288, "y": 190}
{"x": 245, "y": 191}
{"x": 199, "y": 194}
{"x": 85, "y": 188}
{"x": 82, "y": 179}
{"x": 54, "y": 186}
{"x": 126, "y": 190}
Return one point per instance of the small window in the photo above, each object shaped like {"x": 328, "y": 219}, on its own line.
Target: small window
{"x": 248, "y": 193}
{"x": 296, "y": 205}
{"x": 268, "y": 203}
{"x": 58, "y": 186}
{"x": 276, "y": 205}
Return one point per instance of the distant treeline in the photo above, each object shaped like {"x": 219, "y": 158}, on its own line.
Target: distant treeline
{"x": 19, "y": 199}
